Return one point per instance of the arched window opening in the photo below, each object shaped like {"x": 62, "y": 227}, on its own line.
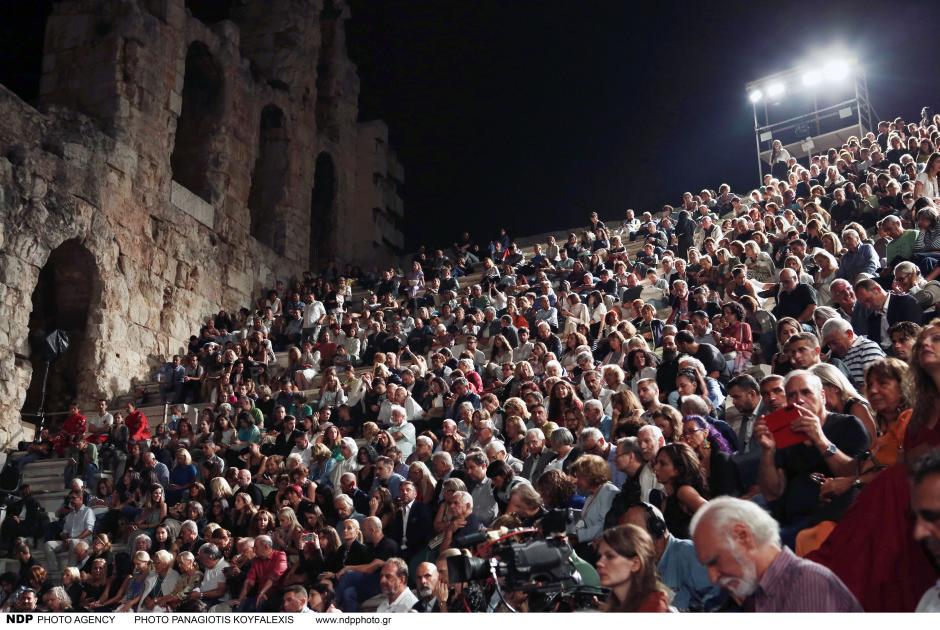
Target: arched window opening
{"x": 22, "y": 35}
{"x": 268, "y": 181}
{"x": 62, "y": 299}
{"x": 201, "y": 109}
{"x": 323, "y": 212}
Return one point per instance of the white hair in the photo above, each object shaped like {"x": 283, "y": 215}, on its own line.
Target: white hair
{"x": 264, "y": 540}
{"x": 464, "y": 497}
{"x": 421, "y": 439}
{"x": 536, "y": 432}
{"x": 655, "y": 430}
{"x": 398, "y": 409}
{"x": 553, "y": 368}
{"x": 443, "y": 456}
{"x": 837, "y": 325}
{"x": 344, "y": 499}
{"x": 814, "y": 381}
{"x": 594, "y": 403}
{"x": 590, "y": 433}
{"x": 724, "y": 512}
{"x": 497, "y": 446}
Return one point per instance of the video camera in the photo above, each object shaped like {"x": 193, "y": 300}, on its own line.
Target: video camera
{"x": 536, "y": 565}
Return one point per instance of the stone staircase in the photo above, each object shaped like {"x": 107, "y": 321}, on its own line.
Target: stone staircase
{"x": 47, "y": 480}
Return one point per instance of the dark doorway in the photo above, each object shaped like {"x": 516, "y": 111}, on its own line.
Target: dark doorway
{"x": 67, "y": 286}
{"x": 268, "y": 181}
{"x": 322, "y": 212}
{"x": 201, "y": 110}
{"x": 22, "y": 35}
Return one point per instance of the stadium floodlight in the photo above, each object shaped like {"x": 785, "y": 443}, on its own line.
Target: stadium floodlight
{"x": 811, "y": 77}
{"x": 755, "y": 96}
{"x": 837, "y": 70}
{"x": 775, "y": 89}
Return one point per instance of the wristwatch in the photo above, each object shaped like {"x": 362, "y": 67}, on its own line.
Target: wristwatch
{"x": 831, "y": 450}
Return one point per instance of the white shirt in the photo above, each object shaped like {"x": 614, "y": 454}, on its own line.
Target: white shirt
{"x": 406, "y": 443}
{"x": 523, "y": 352}
{"x": 312, "y": 314}
{"x": 930, "y": 602}
{"x": 405, "y": 510}
{"x": 100, "y": 421}
{"x": 213, "y": 578}
{"x": 403, "y": 603}
{"x": 930, "y": 185}
{"x": 648, "y": 482}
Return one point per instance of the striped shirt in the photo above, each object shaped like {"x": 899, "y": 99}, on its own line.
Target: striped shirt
{"x": 792, "y": 584}
{"x": 862, "y": 352}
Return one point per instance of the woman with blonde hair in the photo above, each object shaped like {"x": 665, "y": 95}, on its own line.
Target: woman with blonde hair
{"x": 219, "y": 488}
{"x": 286, "y": 535}
{"x": 425, "y": 483}
{"x": 842, "y": 397}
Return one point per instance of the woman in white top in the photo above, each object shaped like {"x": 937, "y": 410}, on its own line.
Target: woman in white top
{"x": 759, "y": 264}
{"x": 828, "y": 268}
{"x": 926, "y": 183}
{"x": 576, "y": 313}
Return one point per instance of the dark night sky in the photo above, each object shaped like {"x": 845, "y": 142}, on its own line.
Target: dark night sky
{"x": 531, "y": 114}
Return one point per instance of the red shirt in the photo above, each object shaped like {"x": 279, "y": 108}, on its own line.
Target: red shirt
{"x": 138, "y": 429}
{"x": 74, "y": 424}
{"x": 271, "y": 569}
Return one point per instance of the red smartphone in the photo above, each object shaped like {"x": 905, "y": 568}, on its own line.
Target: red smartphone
{"x": 779, "y": 424}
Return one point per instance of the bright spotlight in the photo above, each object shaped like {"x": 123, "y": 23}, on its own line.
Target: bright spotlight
{"x": 837, "y": 70}
{"x": 811, "y": 77}
{"x": 755, "y": 95}
{"x": 775, "y": 89}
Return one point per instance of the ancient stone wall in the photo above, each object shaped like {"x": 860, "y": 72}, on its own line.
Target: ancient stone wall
{"x": 156, "y": 141}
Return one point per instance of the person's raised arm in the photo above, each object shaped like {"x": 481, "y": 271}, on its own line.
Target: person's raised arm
{"x": 771, "y": 479}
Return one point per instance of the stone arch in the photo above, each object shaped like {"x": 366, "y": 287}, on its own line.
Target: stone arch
{"x": 195, "y": 128}
{"x": 269, "y": 180}
{"x": 323, "y": 219}
{"x": 22, "y": 37}
{"x": 66, "y": 291}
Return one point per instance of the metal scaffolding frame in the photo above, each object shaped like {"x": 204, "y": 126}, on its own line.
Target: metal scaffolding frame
{"x": 828, "y": 122}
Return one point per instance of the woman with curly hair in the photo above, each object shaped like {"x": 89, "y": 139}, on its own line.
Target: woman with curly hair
{"x": 714, "y": 453}
{"x": 678, "y": 469}
{"x": 562, "y": 398}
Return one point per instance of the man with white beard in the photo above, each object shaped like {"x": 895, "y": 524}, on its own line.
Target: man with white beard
{"x": 739, "y": 544}
{"x": 427, "y": 580}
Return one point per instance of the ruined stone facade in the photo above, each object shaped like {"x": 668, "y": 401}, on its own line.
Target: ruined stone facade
{"x": 174, "y": 166}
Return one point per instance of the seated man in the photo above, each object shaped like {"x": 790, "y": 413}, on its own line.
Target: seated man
{"x": 787, "y": 477}
{"x": 739, "y": 544}
{"x": 77, "y": 526}
{"x": 261, "y": 590}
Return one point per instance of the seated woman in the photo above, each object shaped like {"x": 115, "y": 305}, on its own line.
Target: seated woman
{"x": 678, "y": 469}
{"x": 627, "y": 566}
{"x": 714, "y": 453}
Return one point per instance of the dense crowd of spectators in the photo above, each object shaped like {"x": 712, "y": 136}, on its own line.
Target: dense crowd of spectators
{"x": 717, "y": 406}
